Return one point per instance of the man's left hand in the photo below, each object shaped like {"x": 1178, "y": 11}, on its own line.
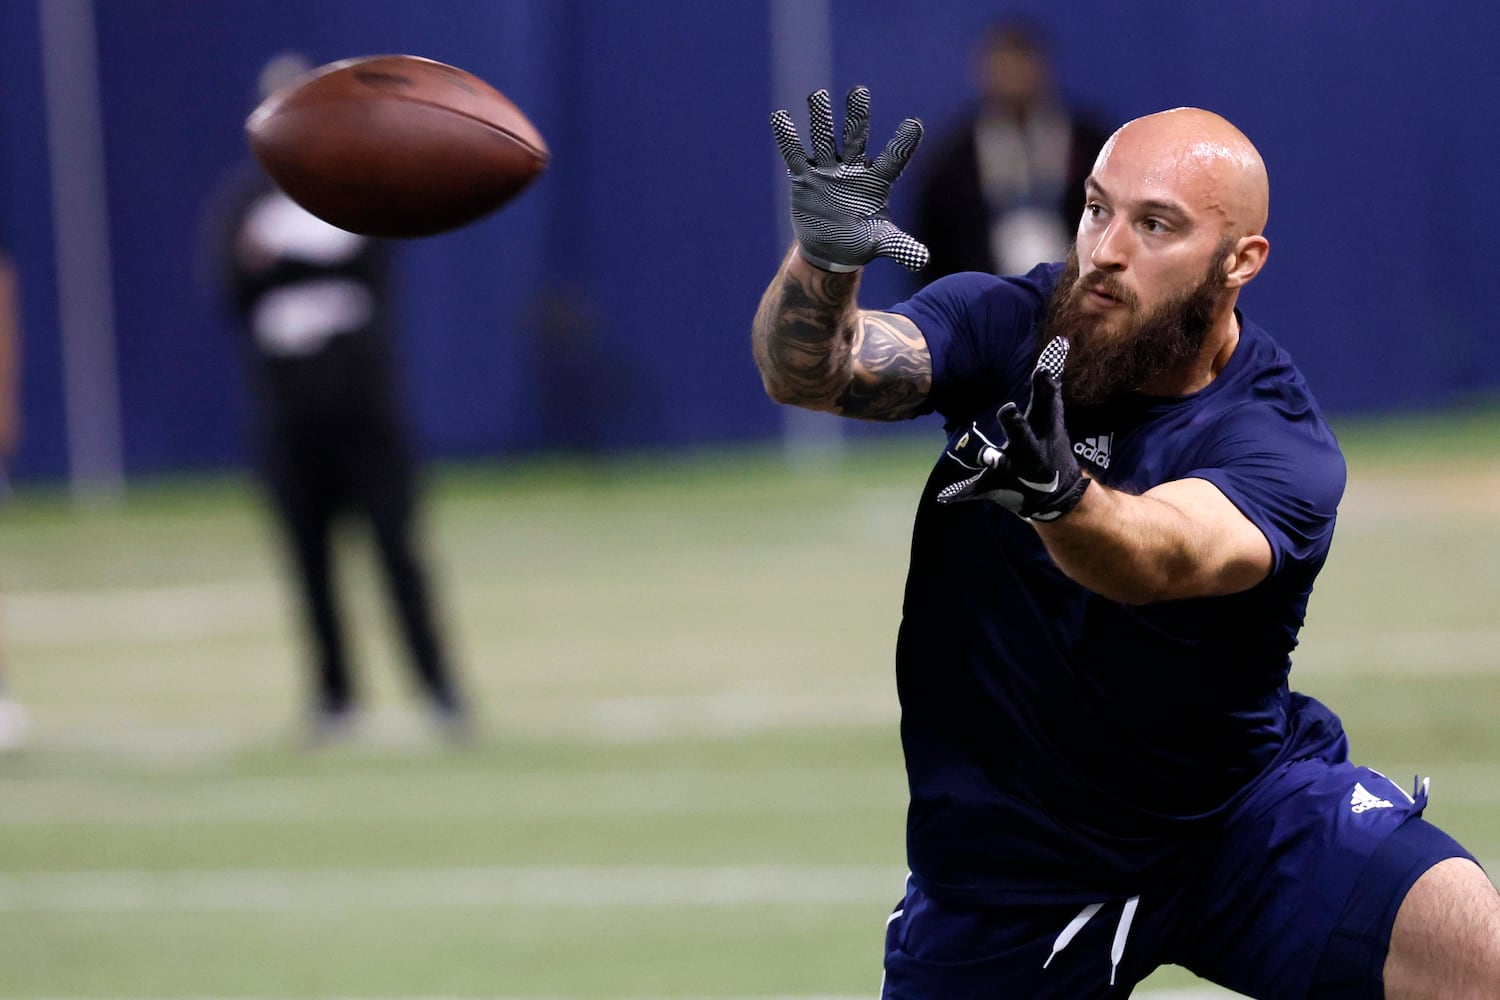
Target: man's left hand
{"x": 1022, "y": 461}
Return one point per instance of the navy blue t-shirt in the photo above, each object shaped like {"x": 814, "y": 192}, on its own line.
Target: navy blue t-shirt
{"x": 1060, "y": 745}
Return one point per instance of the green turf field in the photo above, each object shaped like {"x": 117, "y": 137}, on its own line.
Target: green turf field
{"x": 687, "y": 781}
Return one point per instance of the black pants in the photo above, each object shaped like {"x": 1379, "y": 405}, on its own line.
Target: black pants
{"x": 319, "y": 472}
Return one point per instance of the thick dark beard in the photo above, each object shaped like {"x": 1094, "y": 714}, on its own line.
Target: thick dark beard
{"x": 1103, "y": 365}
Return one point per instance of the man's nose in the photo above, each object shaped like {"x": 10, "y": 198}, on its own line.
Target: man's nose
{"x": 1108, "y": 253}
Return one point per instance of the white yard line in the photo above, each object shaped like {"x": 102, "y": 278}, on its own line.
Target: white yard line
{"x": 1203, "y": 993}
{"x": 466, "y": 794}
{"x": 289, "y": 890}
{"x": 712, "y": 716}
{"x": 123, "y": 615}
{"x": 1197, "y": 993}
{"x": 139, "y": 614}
{"x": 509, "y": 886}
{"x": 455, "y": 794}
{"x": 1420, "y": 653}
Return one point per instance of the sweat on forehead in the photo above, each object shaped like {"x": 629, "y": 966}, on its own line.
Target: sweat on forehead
{"x": 1191, "y": 141}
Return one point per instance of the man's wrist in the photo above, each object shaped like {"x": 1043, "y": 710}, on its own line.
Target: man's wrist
{"x": 826, "y": 265}
{"x": 1065, "y": 503}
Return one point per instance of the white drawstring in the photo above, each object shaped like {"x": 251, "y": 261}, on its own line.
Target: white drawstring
{"x": 1122, "y": 931}
{"x": 1071, "y": 931}
{"x": 1117, "y": 950}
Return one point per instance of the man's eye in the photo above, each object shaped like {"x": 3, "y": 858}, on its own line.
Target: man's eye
{"x": 1154, "y": 226}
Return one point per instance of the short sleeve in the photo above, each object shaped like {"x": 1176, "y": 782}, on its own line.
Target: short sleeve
{"x": 1287, "y": 477}
{"x": 979, "y": 330}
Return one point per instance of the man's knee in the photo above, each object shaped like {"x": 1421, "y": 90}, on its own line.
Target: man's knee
{"x": 1446, "y": 938}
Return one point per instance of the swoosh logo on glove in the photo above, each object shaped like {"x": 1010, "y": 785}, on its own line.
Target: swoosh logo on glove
{"x": 1042, "y": 487}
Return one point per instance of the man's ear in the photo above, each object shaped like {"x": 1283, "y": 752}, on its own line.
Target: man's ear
{"x": 1245, "y": 260}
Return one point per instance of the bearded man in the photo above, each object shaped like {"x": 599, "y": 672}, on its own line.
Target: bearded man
{"x": 1111, "y": 562}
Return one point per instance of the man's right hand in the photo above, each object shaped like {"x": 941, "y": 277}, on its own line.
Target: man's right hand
{"x": 1022, "y": 461}
{"x": 839, "y": 203}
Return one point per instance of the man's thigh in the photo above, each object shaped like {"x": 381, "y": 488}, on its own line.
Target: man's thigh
{"x": 1446, "y": 938}
{"x": 1303, "y": 892}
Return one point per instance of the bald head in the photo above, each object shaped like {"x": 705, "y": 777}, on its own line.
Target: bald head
{"x": 1170, "y": 234}
{"x": 1199, "y": 156}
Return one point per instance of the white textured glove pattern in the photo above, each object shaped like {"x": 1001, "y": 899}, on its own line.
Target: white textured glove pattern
{"x": 839, "y": 202}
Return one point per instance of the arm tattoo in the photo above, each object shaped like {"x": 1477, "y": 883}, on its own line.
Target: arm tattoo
{"x": 816, "y": 349}
{"x": 892, "y": 369}
{"x": 802, "y": 336}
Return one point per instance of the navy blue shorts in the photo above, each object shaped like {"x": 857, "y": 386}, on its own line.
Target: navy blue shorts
{"x": 1296, "y": 900}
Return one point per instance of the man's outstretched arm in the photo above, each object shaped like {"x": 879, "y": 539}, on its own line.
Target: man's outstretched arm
{"x": 817, "y": 349}
{"x": 1178, "y": 540}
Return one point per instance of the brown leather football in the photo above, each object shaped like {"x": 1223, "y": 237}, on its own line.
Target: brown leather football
{"x": 395, "y": 145}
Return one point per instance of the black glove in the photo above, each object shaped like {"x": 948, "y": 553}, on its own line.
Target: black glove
{"x": 838, "y": 204}
{"x": 1023, "y": 462}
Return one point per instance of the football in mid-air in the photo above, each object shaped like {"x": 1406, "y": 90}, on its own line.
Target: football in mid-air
{"x": 395, "y": 145}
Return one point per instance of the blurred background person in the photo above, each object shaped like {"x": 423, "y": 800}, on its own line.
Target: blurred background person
{"x": 13, "y": 718}
{"x": 317, "y": 312}
{"x": 1004, "y": 188}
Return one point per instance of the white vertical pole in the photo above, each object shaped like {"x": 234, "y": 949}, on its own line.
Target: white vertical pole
{"x": 801, "y": 62}
{"x": 80, "y": 216}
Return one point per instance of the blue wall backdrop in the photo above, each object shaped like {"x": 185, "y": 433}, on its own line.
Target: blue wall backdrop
{"x": 654, "y": 232}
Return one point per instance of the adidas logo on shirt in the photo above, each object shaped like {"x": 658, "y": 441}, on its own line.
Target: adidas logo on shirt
{"x": 1364, "y": 800}
{"x": 1095, "y": 450}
